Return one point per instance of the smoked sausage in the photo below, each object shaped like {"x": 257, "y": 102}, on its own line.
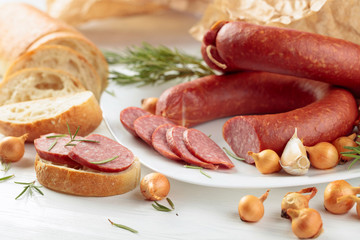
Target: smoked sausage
{"x": 213, "y": 97}
{"x": 234, "y": 46}
{"x": 322, "y": 121}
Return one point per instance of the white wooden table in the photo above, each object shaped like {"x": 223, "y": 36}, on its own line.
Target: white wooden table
{"x": 200, "y": 212}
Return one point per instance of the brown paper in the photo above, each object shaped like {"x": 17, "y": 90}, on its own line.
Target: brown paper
{"x": 76, "y": 12}
{"x": 336, "y": 18}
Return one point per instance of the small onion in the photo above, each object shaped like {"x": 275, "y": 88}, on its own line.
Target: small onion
{"x": 12, "y": 149}
{"x": 155, "y": 186}
{"x": 251, "y": 208}
{"x": 338, "y": 189}
{"x": 323, "y": 155}
{"x": 149, "y": 104}
{"x": 351, "y": 198}
{"x": 345, "y": 141}
{"x": 266, "y": 161}
{"x": 305, "y": 222}
{"x": 296, "y": 200}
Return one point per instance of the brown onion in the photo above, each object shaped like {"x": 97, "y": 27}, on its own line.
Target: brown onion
{"x": 345, "y": 141}
{"x": 155, "y": 186}
{"x": 323, "y": 155}
{"x": 266, "y": 161}
{"x": 251, "y": 208}
{"x": 296, "y": 200}
{"x": 12, "y": 149}
{"x": 305, "y": 222}
{"x": 338, "y": 189}
{"x": 149, "y": 104}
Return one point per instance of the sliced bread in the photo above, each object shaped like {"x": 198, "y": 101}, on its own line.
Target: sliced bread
{"x": 62, "y": 58}
{"x": 20, "y": 25}
{"x": 86, "y": 182}
{"x": 80, "y": 44}
{"x": 39, "y": 117}
{"x": 36, "y": 83}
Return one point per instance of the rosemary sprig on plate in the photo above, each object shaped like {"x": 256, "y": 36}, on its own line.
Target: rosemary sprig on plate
{"x": 123, "y": 226}
{"x": 29, "y": 187}
{"x": 233, "y": 155}
{"x": 355, "y": 154}
{"x": 200, "y": 169}
{"x": 155, "y": 65}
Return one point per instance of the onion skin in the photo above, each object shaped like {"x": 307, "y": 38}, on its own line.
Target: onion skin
{"x": 323, "y": 155}
{"x": 306, "y": 222}
{"x": 341, "y": 142}
{"x": 155, "y": 186}
{"x": 149, "y": 104}
{"x": 12, "y": 149}
{"x": 296, "y": 200}
{"x": 266, "y": 161}
{"x": 251, "y": 208}
{"x": 338, "y": 189}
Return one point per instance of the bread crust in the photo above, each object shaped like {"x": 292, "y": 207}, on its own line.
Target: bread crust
{"x": 20, "y": 25}
{"x": 51, "y": 54}
{"x": 86, "y": 183}
{"x": 86, "y": 115}
{"x": 81, "y": 44}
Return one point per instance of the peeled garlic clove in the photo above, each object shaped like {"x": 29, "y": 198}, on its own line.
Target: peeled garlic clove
{"x": 294, "y": 159}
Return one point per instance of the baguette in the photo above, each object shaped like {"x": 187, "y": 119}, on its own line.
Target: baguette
{"x": 39, "y": 117}
{"x": 63, "y": 58}
{"x": 36, "y": 83}
{"x": 20, "y": 25}
{"x": 80, "y": 44}
{"x": 86, "y": 182}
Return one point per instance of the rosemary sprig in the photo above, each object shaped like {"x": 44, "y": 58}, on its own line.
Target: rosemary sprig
{"x": 105, "y": 161}
{"x": 72, "y": 137}
{"x": 53, "y": 144}
{"x": 355, "y": 154}
{"x": 233, "y": 155}
{"x": 30, "y": 187}
{"x": 155, "y": 65}
{"x": 6, "y": 178}
{"x": 200, "y": 168}
{"x": 161, "y": 207}
{"x": 170, "y": 203}
{"x": 123, "y": 226}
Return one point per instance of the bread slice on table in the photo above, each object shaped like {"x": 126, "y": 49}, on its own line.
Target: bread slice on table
{"x": 39, "y": 117}
{"x": 36, "y": 83}
{"x": 86, "y": 182}
{"x": 80, "y": 44}
{"x": 62, "y": 58}
{"x": 20, "y": 25}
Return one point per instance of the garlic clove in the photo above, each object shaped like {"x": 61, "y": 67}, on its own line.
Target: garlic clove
{"x": 294, "y": 159}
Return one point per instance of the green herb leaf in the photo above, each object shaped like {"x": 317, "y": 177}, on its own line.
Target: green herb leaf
{"x": 28, "y": 187}
{"x": 205, "y": 174}
{"x": 170, "y": 203}
{"x": 160, "y": 207}
{"x": 105, "y": 161}
{"x": 52, "y": 145}
{"x": 56, "y": 136}
{"x": 233, "y": 155}
{"x": 155, "y": 65}
{"x": 192, "y": 167}
{"x": 123, "y": 226}
{"x": 6, "y": 178}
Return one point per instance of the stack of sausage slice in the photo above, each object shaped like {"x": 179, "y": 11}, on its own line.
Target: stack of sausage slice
{"x": 173, "y": 141}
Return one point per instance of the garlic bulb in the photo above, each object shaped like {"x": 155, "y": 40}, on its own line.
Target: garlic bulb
{"x": 294, "y": 159}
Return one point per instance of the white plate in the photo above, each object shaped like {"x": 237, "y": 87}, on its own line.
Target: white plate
{"x": 241, "y": 176}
